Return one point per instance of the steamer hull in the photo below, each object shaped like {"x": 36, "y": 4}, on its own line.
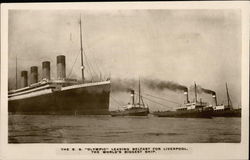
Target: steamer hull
{"x": 131, "y": 112}
{"x": 186, "y": 114}
{"x": 227, "y": 113}
{"x": 190, "y": 110}
{"x": 77, "y": 99}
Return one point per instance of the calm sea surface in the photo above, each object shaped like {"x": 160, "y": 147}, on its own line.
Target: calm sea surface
{"x": 106, "y": 129}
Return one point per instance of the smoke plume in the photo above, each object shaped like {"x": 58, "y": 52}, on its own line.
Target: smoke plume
{"x": 120, "y": 85}
{"x": 162, "y": 85}
{"x": 208, "y": 91}
{"x": 199, "y": 89}
{"x": 123, "y": 85}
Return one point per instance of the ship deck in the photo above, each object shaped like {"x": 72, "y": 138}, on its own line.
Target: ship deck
{"x": 47, "y": 88}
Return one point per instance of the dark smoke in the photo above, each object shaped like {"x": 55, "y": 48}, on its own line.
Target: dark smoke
{"x": 121, "y": 85}
{"x": 162, "y": 85}
{"x": 199, "y": 89}
{"x": 208, "y": 91}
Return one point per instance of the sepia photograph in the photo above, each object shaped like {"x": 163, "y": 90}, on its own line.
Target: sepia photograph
{"x": 124, "y": 76}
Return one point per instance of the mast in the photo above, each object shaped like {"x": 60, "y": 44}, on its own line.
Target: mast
{"x": 139, "y": 93}
{"x": 228, "y": 98}
{"x": 16, "y": 72}
{"x": 82, "y": 66}
{"x": 195, "y": 92}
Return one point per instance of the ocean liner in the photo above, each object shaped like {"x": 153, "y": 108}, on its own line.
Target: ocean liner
{"x": 133, "y": 109}
{"x": 196, "y": 109}
{"x": 60, "y": 96}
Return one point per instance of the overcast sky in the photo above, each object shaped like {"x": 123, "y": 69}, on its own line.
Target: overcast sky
{"x": 172, "y": 45}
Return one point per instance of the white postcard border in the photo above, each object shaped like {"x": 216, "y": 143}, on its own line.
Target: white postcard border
{"x": 197, "y": 150}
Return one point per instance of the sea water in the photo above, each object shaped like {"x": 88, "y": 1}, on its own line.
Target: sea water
{"x": 107, "y": 129}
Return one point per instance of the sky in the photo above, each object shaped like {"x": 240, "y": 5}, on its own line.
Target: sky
{"x": 180, "y": 46}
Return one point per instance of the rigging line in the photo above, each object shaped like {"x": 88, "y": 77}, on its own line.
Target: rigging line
{"x": 89, "y": 48}
{"x": 89, "y": 68}
{"x": 161, "y": 98}
{"x": 116, "y": 100}
{"x": 73, "y": 65}
{"x": 95, "y": 63}
{"x": 88, "y": 72}
{"x": 93, "y": 69}
{"x": 164, "y": 96}
{"x": 92, "y": 53}
{"x": 90, "y": 65}
{"x": 156, "y": 102}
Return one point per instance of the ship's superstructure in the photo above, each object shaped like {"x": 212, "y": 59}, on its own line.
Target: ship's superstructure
{"x": 59, "y": 96}
{"x": 196, "y": 109}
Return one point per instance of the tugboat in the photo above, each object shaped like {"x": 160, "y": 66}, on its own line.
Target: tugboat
{"x": 225, "y": 110}
{"x": 139, "y": 109}
{"x": 190, "y": 110}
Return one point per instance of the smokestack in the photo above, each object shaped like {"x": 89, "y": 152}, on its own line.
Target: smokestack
{"x": 46, "y": 70}
{"x": 133, "y": 96}
{"x": 195, "y": 92}
{"x": 61, "y": 66}
{"x": 215, "y": 98}
{"x": 33, "y": 74}
{"x": 24, "y": 79}
{"x": 186, "y": 93}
